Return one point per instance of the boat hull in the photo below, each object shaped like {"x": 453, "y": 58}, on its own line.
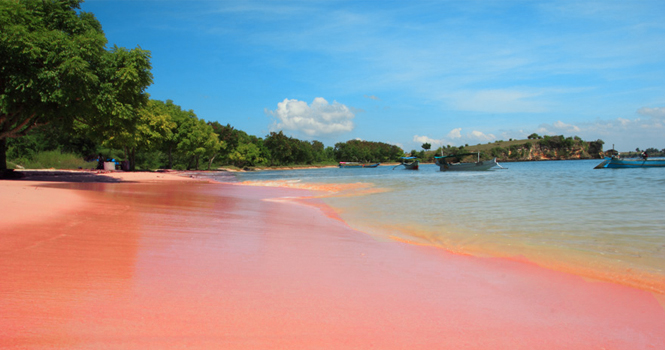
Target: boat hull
{"x": 411, "y": 166}
{"x": 477, "y": 166}
{"x": 619, "y": 163}
{"x": 357, "y": 165}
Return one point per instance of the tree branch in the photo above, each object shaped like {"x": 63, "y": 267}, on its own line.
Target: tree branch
{"x": 18, "y": 130}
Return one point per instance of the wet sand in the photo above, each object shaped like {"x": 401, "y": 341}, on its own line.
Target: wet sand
{"x": 167, "y": 263}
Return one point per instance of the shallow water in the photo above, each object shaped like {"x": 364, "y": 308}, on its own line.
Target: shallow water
{"x": 600, "y": 223}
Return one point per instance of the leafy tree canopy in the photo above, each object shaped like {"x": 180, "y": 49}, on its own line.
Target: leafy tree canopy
{"x": 54, "y": 67}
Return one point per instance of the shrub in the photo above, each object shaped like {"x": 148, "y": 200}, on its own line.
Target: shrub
{"x": 54, "y": 159}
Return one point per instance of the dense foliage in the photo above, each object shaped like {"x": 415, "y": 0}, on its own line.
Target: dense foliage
{"x": 366, "y": 151}
{"x": 55, "y": 68}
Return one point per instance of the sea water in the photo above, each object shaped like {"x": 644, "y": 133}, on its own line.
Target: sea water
{"x": 607, "y": 224}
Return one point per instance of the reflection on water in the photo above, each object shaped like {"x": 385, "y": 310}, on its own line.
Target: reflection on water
{"x": 603, "y": 223}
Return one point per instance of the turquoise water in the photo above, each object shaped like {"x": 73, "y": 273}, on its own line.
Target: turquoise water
{"x": 601, "y": 223}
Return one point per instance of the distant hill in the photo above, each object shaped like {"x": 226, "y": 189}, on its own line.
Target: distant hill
{"x": 539, "y": 148}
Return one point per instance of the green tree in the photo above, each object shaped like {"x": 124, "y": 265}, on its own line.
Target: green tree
{"x": 48, "y": 55}
{"x": 121, "y": 96}
{"x": 152, "y": 127}
{"x": 246, "y": 154}
{"x": 366, "y": 151}
{"x": 197, "y": 140}
{"x": 426, "y": 146}
{"x": 56, "y": 69}
{"x": 178, "y": 116}
{"x": 280, "y": 148}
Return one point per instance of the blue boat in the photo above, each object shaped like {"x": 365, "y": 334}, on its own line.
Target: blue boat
{"x": 618, "y": 162}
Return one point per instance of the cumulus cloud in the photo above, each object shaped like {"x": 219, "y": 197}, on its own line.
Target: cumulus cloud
{"x": 479, "y": 136}
{"x": 426, "y": 139}
{"x": 658, "y": 112}
{"x": 566, "y": 127}
{"x": 317, "y": 119}
{"x": 623, "y": 121}
{"x": 455, "y": 133}
{"x": 558, "y": 128}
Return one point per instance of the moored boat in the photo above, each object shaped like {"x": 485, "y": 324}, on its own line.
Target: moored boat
{"x": 357, "y": 165}
{"x": 453, "y": 163}
{"x": 616, "y": 162}
{"x": 409, "y": 163}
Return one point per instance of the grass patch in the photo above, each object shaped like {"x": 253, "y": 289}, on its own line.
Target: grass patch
{"x": 52, "y": 159}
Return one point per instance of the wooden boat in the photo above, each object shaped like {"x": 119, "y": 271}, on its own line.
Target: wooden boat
{"x": 409, "y": 163}
{"x": 452, "y": 163}
{"x": 357, "y": 165}
{"x": 618, "y": 162}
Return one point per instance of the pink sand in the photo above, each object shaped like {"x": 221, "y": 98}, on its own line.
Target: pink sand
{"x": 172, "y": 265}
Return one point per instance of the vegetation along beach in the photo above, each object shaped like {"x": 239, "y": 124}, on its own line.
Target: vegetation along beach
{"x": 130, "y": 221}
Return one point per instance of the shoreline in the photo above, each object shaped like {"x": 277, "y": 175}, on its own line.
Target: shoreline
{"x": 164, "y": 261}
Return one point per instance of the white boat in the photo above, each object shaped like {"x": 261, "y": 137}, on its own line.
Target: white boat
{"x": 452, "y": 163}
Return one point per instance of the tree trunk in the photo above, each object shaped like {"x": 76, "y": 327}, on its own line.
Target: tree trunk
{"x": 132, "y": 159}
{"x": 210, "y": 161}
{"x": 3, "y": 154}
{"x": 170, "y": 158}
{"x": 127, "y": 156}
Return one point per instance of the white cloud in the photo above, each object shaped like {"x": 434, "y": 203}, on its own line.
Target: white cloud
{"x": 658, "y": 112}
{"x": 566, "y": 127}
{"x": 558, "y": 128}
{"x": 372, "y": 97}
{"x": 474, "y": 136}
{"x": 318, "y": 119}
{"x": 479, "y": 136}
{"x": 426, "y": 139}
{"x": 623, "y": 121}
{"x": 455, "y": 133}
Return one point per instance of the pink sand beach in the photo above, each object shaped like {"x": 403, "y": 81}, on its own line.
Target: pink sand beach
{"x": 158, "y": 261}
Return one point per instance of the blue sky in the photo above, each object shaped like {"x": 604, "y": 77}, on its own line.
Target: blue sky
{"x": 444, "y": 72}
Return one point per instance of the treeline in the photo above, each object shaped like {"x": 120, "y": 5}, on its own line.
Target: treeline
{"x": 63, "y": 89}
{"x": 651, "y": 151}
{"x": 169, "y": 137}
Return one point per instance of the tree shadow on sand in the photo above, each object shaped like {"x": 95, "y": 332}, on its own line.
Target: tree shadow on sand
{"x": 56, "y": 176}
